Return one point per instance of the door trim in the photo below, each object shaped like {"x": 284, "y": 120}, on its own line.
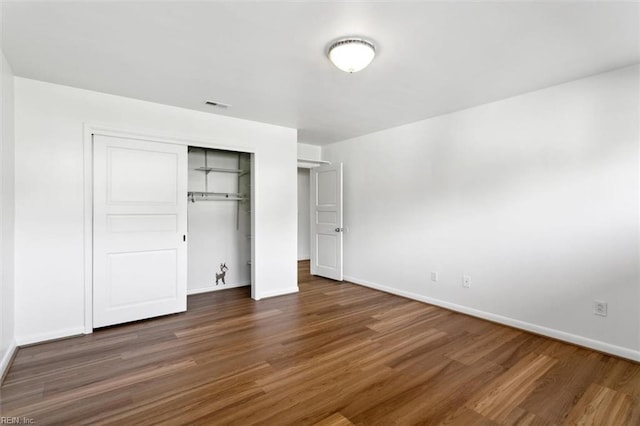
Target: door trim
{"x": 90, "y": 129}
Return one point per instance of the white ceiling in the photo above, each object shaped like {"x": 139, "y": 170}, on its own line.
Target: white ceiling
{"x": 268, "y": 59}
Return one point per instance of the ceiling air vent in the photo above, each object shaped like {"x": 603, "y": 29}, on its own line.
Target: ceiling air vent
{"x": 217, "y": 104}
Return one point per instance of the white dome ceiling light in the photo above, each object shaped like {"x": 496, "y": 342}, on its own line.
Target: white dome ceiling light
{"x": 351, "y": 54}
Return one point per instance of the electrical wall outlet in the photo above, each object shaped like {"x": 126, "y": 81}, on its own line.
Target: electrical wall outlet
{"x": 466, "y": 281}
{"x": 434, "y": 277}
{"x": 600, "y": 308}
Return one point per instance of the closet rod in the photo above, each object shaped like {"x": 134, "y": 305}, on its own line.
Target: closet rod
{"x": 218, "y": 199}
{"x": 221, "y": 196}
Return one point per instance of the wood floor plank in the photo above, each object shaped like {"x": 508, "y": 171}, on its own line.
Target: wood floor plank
{"x": 575, "y": 375}
{"x": 332, "y": 354}
{"x": 624, "y": 376}
{"x": 603, "y": 407}
{"x": 511, "y": 388}
{"x": 464, "y": 416}
{"x": 484, "y": 344}
{"x": 432, "y": 400}
{"x": 520, "y": 417}
{"x": 316, "y": 396}
{"x": 336, "y": 419}
{"x": 119, "y": 382}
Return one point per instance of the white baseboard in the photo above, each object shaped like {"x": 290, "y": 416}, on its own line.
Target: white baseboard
{"x": 215, "y": 288}
{"x": 43, "y": 337}
{"x": 303, "y": 258}
{"x": 277, "y": 292}
{"x": 7, "y": 357}
{"x": 534, "y": 328}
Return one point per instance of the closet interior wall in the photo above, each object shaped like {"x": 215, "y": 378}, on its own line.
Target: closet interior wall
{"x": 219, "y": 215}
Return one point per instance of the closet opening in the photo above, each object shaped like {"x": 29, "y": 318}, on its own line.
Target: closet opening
{"x": 219, "y": 225}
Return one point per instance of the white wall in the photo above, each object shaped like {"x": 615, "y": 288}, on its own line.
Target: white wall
{"x": 49, "y": 195}
{"x": 535, "y": 197}
{"x": 7, "y": 283}
{"x": 308, "y": 152}
{"x": 219, "y": 231}
{"x": 304, "y": 224}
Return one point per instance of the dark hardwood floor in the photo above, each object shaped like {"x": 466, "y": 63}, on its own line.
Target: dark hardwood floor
{"x": 334, "y": 354}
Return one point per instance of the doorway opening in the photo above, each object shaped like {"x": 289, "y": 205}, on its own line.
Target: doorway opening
{"x": 320, "y": 218}
{"x": 304, "y": 214}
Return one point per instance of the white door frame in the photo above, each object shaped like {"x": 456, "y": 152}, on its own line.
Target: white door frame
{"x": 91, "y": 129}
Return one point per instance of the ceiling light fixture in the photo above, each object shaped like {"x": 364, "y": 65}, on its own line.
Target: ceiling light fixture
{"x": 351, "y": 54}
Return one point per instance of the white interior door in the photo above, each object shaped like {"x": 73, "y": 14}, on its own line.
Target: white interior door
{"x": 139, "y": 229}
{"x": 326, "y": 221}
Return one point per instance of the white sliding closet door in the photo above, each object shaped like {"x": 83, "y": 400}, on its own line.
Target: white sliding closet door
{"x": 139, "y": 229}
